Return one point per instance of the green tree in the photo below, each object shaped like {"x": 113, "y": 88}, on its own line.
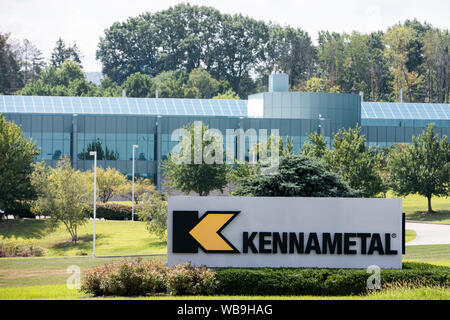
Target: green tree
{"x": 227, "y": 95}
{"x": 297, "y": 176}
{"x": 207, "y": 87}
{"x": 421, "y": 168}
{"x": 16, "y": 165}
{"x": 10, "y": 79}
{"x": 31, "y": 62}
{"x": 142, "y": 186}
{"x": 137, "y": 85}
{"x": 62, "y": 53}
{"x": 316, "y": 146}
{"x": 153, "y": 211}
{"x": 108, "y": 181}
{"x": 65, "y": 195}
{"x": 358, "y": 164}
{"x": 105, "y": 154}
{"x": 198, "y": 166}
{"x": 292, "y": 51}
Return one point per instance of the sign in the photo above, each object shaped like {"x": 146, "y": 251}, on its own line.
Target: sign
{"x": 285, "y": 232}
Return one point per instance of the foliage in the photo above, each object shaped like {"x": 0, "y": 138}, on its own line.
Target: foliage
{"x": 357, "y": 164}
{"x": 227, "y": 95}
{"x": 423, "y": 167}
{"x": 101, "y": 154}
{"x": 320, "y": 85}
{"x": 112, "y": 211}
{"x": 65, "y": 195}
{"x": 197, "y": 166}
{"x": 10, "y": 79}
{"x": 16, "y": 165}
{"x": 142, "y": 186}
{"x": 65, "y": 80}
{"x": 153, "y": 210}
{"x": 62, "y": 53}
{"x": 135, "y": 277}
{"x": 107, "y": 182}
{"x": 297, "y": 176}
{"x": 324, "y": 282}
{"x": 12, "y": 248}
{"x": 137, "y": 85}
{"x": 184, "y": 280}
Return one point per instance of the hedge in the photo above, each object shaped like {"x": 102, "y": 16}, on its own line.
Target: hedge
{"x": 323, "y": 282}
{"x": 144, "y": 278}
{"x": 113, "y": 211}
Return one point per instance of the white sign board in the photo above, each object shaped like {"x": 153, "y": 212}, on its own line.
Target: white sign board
{"x": 285, "y": 232}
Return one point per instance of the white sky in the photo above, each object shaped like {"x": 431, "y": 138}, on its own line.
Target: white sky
{"x": 44, "y": 21}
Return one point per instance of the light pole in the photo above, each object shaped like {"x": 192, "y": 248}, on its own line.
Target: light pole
{"x": 94, "y": 153}
{"x": 132, "y": 187}
{"x": 320, "y": 124}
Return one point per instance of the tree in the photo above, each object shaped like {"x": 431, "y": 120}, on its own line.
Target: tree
{"x": 153, "y": 211}
{"x": 101, "y": 154}
{"x": 227, "y": 95}
{"x": 10, "y": 79}
{"x": 108, "y": 181}
{"x": 61, "y": 53}
{"x": 137, "y": 85}
{"x": 65, "y": 195}
{"x": 31, "y": 62}
{"x": 198, "y": 166}
{"x": 320, "y": 85}
{"x": 16, "y": 165}
{"x": 205, "y": 85}
{"x": 421, "y": 168}
{"x": 292, "y": 51}
{"x": 67, "y": 80}
{"x": 297, "y": 176}
{"x": 357, "y": 164}
{"x": 142, "y": 186}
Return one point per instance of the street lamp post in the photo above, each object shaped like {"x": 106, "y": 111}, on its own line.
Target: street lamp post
{"x": 94, "y": 153}
{"x": 132, "y": 188}
{"x": 320, "y": 124}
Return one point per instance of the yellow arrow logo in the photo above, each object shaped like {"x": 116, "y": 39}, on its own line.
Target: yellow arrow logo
{"x": 207, "y": 232}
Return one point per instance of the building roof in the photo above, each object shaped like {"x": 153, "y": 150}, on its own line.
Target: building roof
{"x": 197, "y": 107}
{"x": 411, "y": 111}
{"x": 124, "y": 106}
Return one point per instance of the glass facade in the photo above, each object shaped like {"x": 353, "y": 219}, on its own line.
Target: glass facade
{"x": 74, "y": 134}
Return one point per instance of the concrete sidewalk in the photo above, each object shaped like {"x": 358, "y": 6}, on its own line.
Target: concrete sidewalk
{"x": 428, "y": 233}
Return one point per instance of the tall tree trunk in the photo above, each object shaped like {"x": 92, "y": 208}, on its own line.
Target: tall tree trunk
{"x": 430, "y": 210}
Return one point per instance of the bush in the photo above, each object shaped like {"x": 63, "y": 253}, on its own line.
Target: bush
{"x": 20, "y": 249}
{"x": 322, "y": 281}
{"x": 113, "y": 211}
{"x": 137, "y": 278}
{"x": 187, "y": 280}
{"x": 132, "y": 278}
{"x": 21, "y": 209}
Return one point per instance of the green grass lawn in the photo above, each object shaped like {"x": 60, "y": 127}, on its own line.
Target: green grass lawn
{"x": 45, "y": 278}
{"x": 113, "y": 238}
{"x": 410, "y": 235}
{"x": 414, "y": 206}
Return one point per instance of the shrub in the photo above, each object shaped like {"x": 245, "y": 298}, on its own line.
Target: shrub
{"x": 188, "y": 280}
{"x": 126, "y": 278}
{"x": 113, "y": 211}
{"x": 135, "y": 277}
{"x": 20, "y": 210}
{"x": 153, "y": 210}
{"x": 131, "y": 278}
{"x": 10, "y": 248}
{"x": 322, "y": 281}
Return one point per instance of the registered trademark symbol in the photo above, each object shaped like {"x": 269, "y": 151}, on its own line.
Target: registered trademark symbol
{"x": 394, "y": 235}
